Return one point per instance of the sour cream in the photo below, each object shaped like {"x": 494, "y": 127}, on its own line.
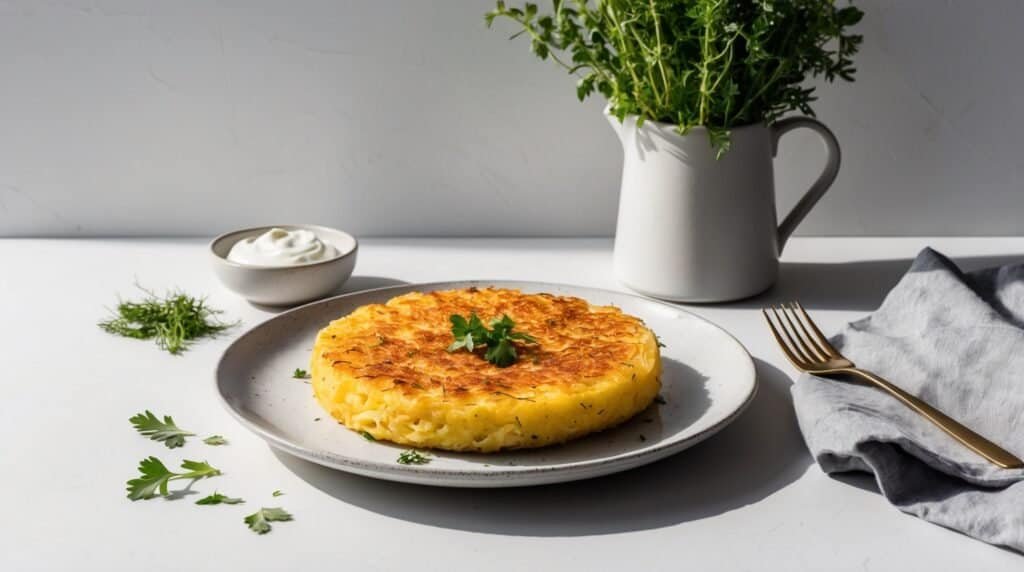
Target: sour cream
{"x": 279, "y": 247}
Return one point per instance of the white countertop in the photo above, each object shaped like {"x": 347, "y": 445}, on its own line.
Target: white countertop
{"x": 749, "y": 498}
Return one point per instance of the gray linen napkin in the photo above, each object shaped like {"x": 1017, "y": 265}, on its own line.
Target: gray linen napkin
{"x": 955, "y": 340}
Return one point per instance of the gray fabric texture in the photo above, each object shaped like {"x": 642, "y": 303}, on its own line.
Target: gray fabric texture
{"x": 955, "y": 340}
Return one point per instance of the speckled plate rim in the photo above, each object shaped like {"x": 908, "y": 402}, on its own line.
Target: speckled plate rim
{"x": 495, "y": 476}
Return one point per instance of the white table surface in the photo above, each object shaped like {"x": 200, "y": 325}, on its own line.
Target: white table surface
{"x": 749, "y": 498}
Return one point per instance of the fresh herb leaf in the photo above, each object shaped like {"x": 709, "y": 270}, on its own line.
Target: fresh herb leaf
{"x": 154, "y": 477}
{"x": 174, "y": 320}
{"x": 300, "y": 373}
{"x": 471, "y": 333}
{"x": 217, "y": 498}
{"x": 412, "y": 457}
{"x": 276, "y": 494}
{"x": 468, "y": 333}
{"x": 215, "y": 440}
{"x": 259, "y": 521}
{"x": 366, "y": 435}
{"x": 164, "y": 431}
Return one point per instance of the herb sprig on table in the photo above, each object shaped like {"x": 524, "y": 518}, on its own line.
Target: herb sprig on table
{"x": 217, "y": 498}
{"x": 154, "y": 477}
{"x": 166, "y": 432}
{"x": 498, "y": 340}
{"x": 174, "y": 320}
{"x": 259, "y": 521}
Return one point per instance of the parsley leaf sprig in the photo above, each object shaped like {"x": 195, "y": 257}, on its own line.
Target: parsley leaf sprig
{"x": 498, "y": 340}
{"x": 164, "y": 431}
{"x": 259, "y": 521}
{"x": 155, "y": 476}
{"x": 217, "y": 498}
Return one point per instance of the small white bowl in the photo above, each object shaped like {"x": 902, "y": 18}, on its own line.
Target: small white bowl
{"x": 285, "y": 285}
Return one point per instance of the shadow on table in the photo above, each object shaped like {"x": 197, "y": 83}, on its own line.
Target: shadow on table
{"x": 353, "y": 284}
{"x": 758, "y": 454}
{"x": 858, "y": 285}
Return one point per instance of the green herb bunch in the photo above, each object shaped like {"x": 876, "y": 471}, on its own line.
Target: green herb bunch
{"x": 711, "y": 63}
{"x": 173, "y": 320}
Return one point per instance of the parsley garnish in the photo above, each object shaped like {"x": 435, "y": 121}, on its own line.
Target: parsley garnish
{"x": 164, "y": 431}
{"x": 173, "y": 321}
{"x": 498, "y": 340}
{"x": 215, "y": 440}
{"x": 217, "y": 498}
{"x": 259, "y": 521}
{"x": 412, "y": 457}
{"x": 366, "y": 435}
{"x": 154, "y": 477}
{"x": 300, "y": 373}
{"x": 276, "y": 494}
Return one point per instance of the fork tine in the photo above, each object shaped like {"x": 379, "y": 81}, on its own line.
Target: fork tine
{"x": 818, "y": 337}
{"x": 792, "y": 344}
{"x": 798, "y": 362}
{"x": 791, "y": 335}
{"x": 810, "y": 345}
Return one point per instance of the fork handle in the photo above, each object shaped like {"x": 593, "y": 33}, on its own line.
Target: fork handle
{"x": 970, "y": 439}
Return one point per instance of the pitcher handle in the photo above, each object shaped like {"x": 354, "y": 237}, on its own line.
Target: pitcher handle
{"x": 825, "y": 179}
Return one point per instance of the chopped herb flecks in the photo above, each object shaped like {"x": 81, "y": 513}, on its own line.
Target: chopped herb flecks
{"x": 412, "y": 457}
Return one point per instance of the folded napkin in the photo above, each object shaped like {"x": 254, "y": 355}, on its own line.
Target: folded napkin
{"x": 955, "y": 340}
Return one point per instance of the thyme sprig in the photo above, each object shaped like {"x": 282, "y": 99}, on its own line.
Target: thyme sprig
{"x": 711, "y": 63}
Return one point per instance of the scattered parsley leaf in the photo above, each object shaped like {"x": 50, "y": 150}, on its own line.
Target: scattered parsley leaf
{"x": 215, "y": 440}
{"x": 276, "y": 494}
{"x": 154, "y": 477}
{"x": 498, "y": 340}
{"x": 164, "y": 431}
{"x": 300, "y": 373}
{"x": 259, "y": 521}
{"x": 366, "y": 435}
{"x": 173, "y": 321}
{"x": 412, "y": 457}
{"x": 217, "y": 498}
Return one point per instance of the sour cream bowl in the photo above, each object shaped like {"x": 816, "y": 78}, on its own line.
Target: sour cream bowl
{"x": 285, "y": 282}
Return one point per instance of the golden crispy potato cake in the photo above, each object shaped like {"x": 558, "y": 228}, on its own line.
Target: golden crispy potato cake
{"x": 385, "y": 369}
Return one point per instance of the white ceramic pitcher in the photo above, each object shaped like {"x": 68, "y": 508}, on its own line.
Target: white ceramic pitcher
{"x": 693, "y": 228}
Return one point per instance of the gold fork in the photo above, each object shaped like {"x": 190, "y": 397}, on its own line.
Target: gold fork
{"x": 808, "y": 349}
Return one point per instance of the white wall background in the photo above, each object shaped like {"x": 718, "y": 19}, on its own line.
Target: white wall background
{"x": 408, "y": 117}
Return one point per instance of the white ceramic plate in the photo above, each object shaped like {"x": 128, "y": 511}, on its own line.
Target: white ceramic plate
{"x": 708, "y": 380}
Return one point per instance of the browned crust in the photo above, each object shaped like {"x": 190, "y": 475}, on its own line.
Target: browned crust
{"x": 402, "y": 345}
